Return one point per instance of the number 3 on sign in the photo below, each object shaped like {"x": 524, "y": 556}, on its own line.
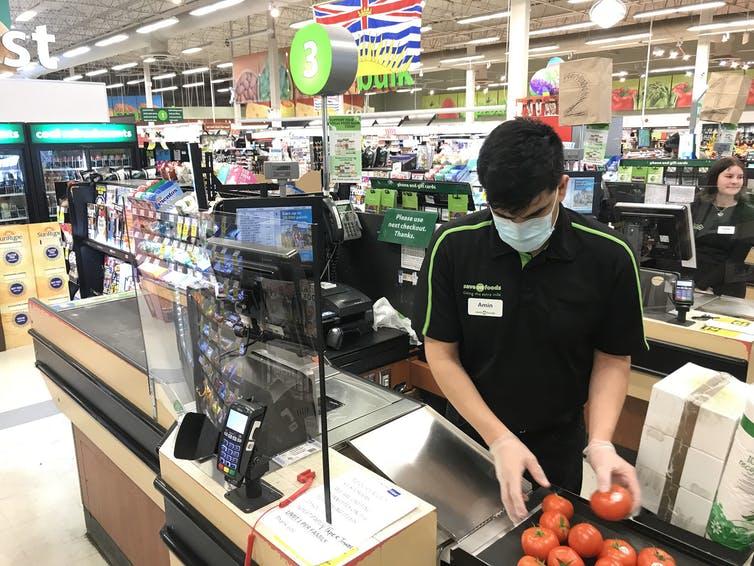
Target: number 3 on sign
{"x": 312, "y": 68}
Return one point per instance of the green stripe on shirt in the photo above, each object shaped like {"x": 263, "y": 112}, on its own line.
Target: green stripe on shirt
{"x": 432, "y": 264}
{"x": 633, "y": 261}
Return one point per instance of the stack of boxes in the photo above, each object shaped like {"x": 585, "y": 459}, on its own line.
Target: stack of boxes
{"x": 692, "y": 418}
{"x": 31, "y": 265}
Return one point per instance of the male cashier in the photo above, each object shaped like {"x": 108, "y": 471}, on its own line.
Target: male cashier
{"x": 531, "y": 311}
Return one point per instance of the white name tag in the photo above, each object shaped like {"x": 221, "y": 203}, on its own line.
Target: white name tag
{"x": 726, "y": 230}
{"x": 486, "y": 307}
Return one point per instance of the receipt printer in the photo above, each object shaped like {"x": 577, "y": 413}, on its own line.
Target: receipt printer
{"x": 346, "y": 314}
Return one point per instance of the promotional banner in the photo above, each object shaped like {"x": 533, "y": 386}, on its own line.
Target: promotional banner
{"x": 387, "y": 32}
{"x": 345, "y": 149}
{"x": 131, "y": 105}
{"x": 251, "y": 80}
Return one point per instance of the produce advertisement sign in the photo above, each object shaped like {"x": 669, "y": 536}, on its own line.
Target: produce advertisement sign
{"x": 251, "y": 83}
{"x": 664, "y": 91}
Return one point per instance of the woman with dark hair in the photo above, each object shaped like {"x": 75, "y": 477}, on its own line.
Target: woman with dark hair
{"x": 723, "y": 229}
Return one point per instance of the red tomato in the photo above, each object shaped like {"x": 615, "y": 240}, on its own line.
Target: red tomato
{"x": 538, "y": 542}
{"x": 620, "y": 551}
{"x": 607, "y": 562}
{"x": 557, "y": 523}
{"x": 554, "y": 502}
{"x": 614, "y": 505}
{"x": 586, "y": 540}
{"x": 530, "y": 561}
{"x": 653, "y": 556}
{"x": 564, "y": 556}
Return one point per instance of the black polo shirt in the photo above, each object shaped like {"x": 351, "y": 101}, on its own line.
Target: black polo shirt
{"x": 527, "y": 327}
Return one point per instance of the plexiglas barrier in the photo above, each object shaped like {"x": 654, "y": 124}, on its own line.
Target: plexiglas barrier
{"x": 230, "y": 311}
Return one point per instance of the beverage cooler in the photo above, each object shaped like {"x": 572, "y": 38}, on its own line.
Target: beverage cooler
{"x": 16, "y": 195}
{"x": 63, "y": 152}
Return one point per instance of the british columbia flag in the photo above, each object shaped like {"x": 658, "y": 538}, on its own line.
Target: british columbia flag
{"x": 386, "y": 29}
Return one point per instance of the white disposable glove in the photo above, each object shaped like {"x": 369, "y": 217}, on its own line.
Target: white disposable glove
{"x": 611, "y": 468}
{"x": 512, "y": 459}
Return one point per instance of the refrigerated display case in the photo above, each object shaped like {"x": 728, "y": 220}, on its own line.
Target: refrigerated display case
{"x": 15, "y": 187}
{"x": 64, "y": 152}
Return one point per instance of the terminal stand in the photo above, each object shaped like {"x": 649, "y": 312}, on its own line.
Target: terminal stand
{"x": 254, "y": 493}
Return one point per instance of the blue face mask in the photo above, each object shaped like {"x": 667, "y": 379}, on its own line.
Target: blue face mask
{"x": 527, "y": 236}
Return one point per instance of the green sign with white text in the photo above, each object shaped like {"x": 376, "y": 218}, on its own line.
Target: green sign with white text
{"x": 11, "y": 133}
{"x": 82, "y": 133}
{"x": 408, "y": 227}
{"x": 162, "y": 115}
{"x": 440, "y": 187}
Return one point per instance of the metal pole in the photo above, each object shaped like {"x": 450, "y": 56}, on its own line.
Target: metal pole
{"x": 325, "y": 149}
{"x": 212, "y": 92}
{"x": 646, "y": 73}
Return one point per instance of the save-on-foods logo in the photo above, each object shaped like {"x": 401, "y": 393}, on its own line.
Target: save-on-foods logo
{"x": 21, "y": 319}
{"x": 13, "y": 55}
{"x": 481, "y": 287}
{"x": 16, "y": 289}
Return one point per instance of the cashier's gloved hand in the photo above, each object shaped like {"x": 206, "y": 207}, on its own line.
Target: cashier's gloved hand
{"x": 611, "y": 468}
{"x": 512, "y": 459}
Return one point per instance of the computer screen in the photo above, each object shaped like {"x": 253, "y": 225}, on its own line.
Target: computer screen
{"x": 282, "y": 227}
{"x": 580, "y": 195}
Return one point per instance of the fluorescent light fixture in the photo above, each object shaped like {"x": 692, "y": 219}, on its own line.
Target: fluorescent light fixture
{"x": 124, "y": 66}
{"x": 544, "y": 48}
{"x": 567, "y": 27}
{"x": 135, "y": 82}
{"x": 722, "y": 25}
{"x": 456, "y": 88}
{"x": 164, "y": 77}
{"x": 165, "y": 89}
{"x": 620, "y": 74}
{"x": 204, "y": 10}
{"x": 161, "y": 24}
{"x": 114, "y": 85}
{"x": 196, "y": 71}
{"x": 223, "y": 89}
{"x": 224, "y": 65}
{"x": 579, "y": 1}
{"x": 275, "y": 12}
{"x": 672, "y": 69}
{"x": 424, "y": 29}
{"x": 619, "y": 38}
{"x": 484, "y": 18}
{"x": 432, "y": 92}
{"x": 77, "y": 51}
{"x": 403, "y": 90}
{"x": 299, "y": 25}
{"x": 687, "y": 57}
{"x": 494, "y": 85}
{"x": 191, "y": 50}
{"x": 466, "y": 59}
{"x": 680, "y": 10}
{"x": 120, "y": 38}
{"x": 192, "y": 85}
{"x": 150, "y": 60}
{"x": 607, "y": 13}
{"x": 26, "y": 16}
{"x": 97, "y": 73}
{"x": 623, "y": 79}
{"x": 484, "y": 40}
{"x": 73, "y": 78}
{"x": 220, "y": 81}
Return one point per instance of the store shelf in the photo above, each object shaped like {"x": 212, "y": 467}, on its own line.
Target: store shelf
{"x": 12, "y": 195}
{"x": 3, "y": 220}
{"x": 122, "y": 255}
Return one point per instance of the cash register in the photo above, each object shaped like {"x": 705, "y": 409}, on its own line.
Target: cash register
{"x": 346, "y": 314}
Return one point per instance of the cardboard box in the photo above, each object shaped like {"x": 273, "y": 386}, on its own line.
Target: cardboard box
{"x": 15, "y": 250}
{"x": 52, "y": 284}
{"x": 46, "y": 246}
{"x": 16, "y": 325}
{"x": 17, "y": 288}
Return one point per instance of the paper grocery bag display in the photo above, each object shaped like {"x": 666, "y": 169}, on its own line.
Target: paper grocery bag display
{"x": 726, "y": 97}
{"x": 585, "y": 91}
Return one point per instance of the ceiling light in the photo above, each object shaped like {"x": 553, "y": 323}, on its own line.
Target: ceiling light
{"x": 161, "y": 24}
{"x": 466, "y": 59}
{"x": 112, "y": 40}
{"x": 658, "y": 52}
{"x": 73, "y": 78}
{"x": 478, "y": 87}
{"x": 275, "y": 12}
{"x": 97, "y": 73}
{"x": 196, "y": 71}
{"x": 431, "y": 92}
{"x": 726, "y": 37}
{"x": 623, "y": 79}
{"x": 620, "y": 74}
{"x": 220, "y": 81}
{"x": 164, "y": 77}
{"x": 26, "y": 16}
{"x": 484, "y": 18}
{"x": 673, "y": 54}
{"x": 498, "y": 84}
{"x": 689, "y": 73}
{"x": 135, "y": 82}
{"x": 567, "y": 27}
{"x": 745, "y": 66}
{"x": 687, "y": 57}
{"x": 486, "y": 90}
{"x": 484, "y": 40}
{"x": 150, "y": 60}
{"x": 204, "y": 10}
{"x": 77, "y": 51}
{"x": 502, "y": 78}
{"x": 124, "y": 66}
{"x": 301, "y": 24}
{"x": 425, "y": 29}
{"x": 607, "y": 13}
{"x": 456, "y": 88}
{"x": 223, "y": 90}
{"x": 544, "y": 48}
{"x": 579, "y": 1}
{"x": 734, "y": 64}
{"x": 403, "y": 90}
{"x": 672, "y": 69}
{"x": 722, "y": 25}
{"x": 115, "y": 85}
{"x": 191, "y": 50}
{"x": 618, "y": 39}
{"x": 192, "y": 85}
{"x": 224, "y": 65}
{"x": 680, "y": 10}
{"x": 723, "y": 63}
{"x": 165, "y": 89}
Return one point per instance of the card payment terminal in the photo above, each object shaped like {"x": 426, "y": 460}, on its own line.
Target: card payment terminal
{"x": 238, "y": 439}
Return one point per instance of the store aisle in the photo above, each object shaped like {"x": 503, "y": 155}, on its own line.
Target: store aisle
{"x": 41, "y": 519}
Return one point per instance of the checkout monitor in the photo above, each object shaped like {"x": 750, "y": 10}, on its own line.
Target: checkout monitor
{"x": 584, "y": 194}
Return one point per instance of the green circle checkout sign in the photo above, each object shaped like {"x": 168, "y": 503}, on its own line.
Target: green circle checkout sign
{"x": 324, "y": 60}
{"x": 162, "y": 115}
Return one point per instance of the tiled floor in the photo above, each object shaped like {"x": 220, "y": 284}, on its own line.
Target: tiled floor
{"x": 41, "y": 519}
